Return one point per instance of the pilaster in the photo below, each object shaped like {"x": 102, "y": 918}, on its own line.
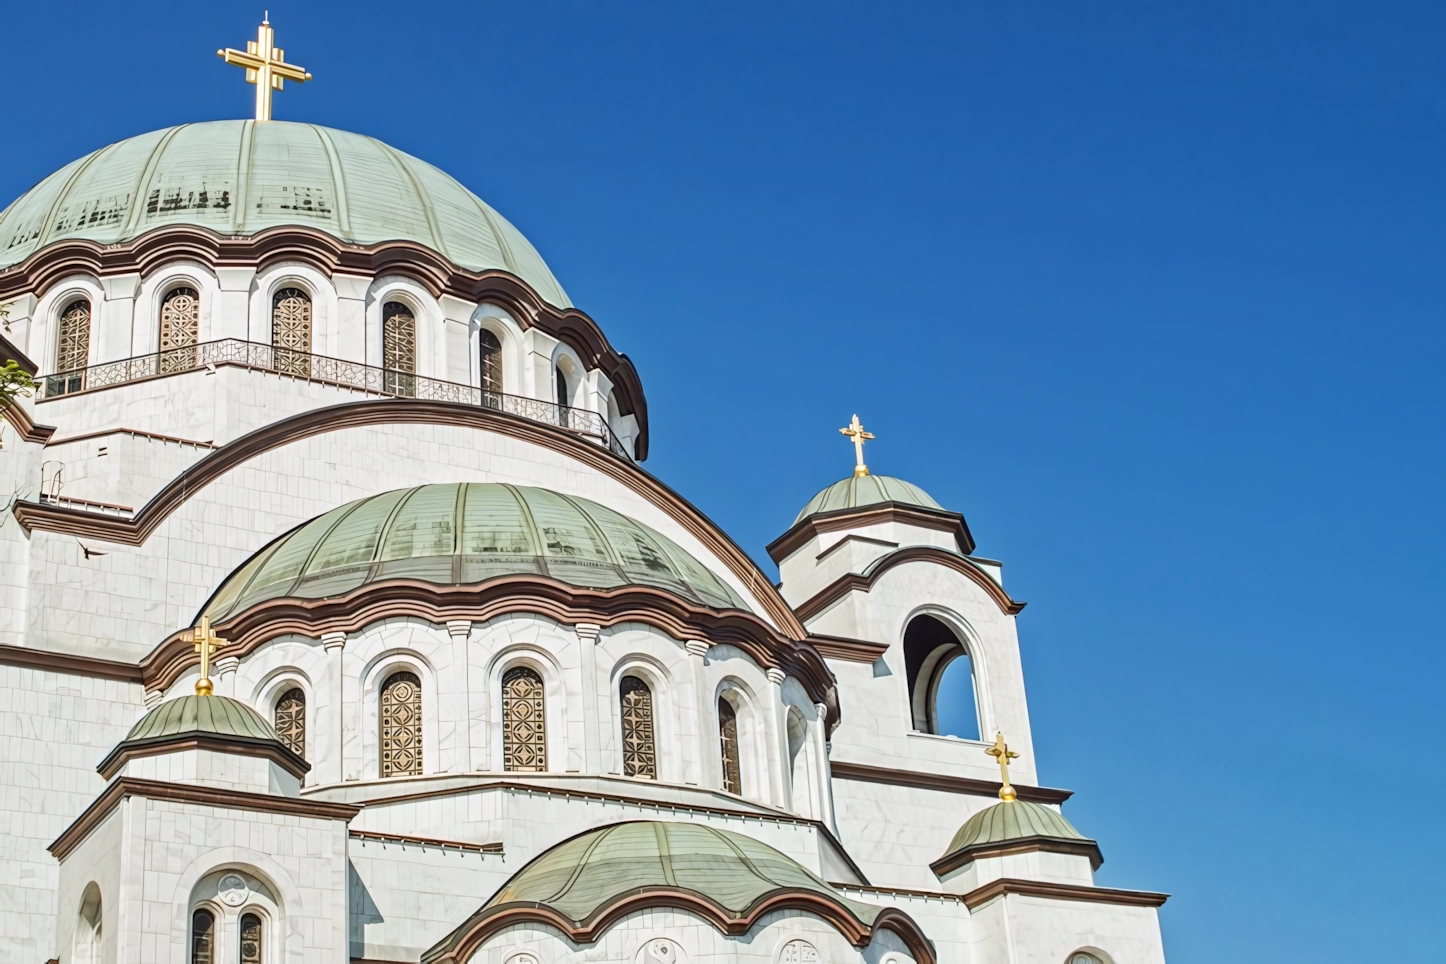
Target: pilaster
{"x": 587, "y": 636}
{"x": 775, "y": 733}
{"x": 707, "y": 769}
{"x": 231, "y": 309}
{"x": 113, "y": 330}
{"x": 458, "y": 758}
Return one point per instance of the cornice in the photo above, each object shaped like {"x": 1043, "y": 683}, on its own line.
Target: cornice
{"x": 864, "y": 582}
{"x": 9, "y": 351}
{"x": 1022, "y": 845}
{"x": 939, "y": 781}
{"x": 23, "y": 424}
{"x": 1038, "y": 888}
{"x": 837, "y": 520}
{"x": 331, "y": 256}
{"x": 848, "y": 650}
{"x": 464, "y": 942}
{"x": 266, "y": 749}
{"x": 410, "y": 411}
{"x": 124, "y": 787}
{"x": 53, "y": 662}
{"x": 479, "y": 602}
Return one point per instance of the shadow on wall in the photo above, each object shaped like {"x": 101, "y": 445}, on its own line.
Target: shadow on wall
{"x": 941, "y": 680}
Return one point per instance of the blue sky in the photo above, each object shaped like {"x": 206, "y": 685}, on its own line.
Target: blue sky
{"x": 1152, "y": 296}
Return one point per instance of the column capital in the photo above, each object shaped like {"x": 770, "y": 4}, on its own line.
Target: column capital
{"x": 587, "y": 631}
{"x": 333, "y": 641}
{"x": 697, "y": 647}
{"x": 153, "y": 697}
{"x": 227, "y": 665}
{"x": 775, "y": 675}
{"x": 459, "y": 628}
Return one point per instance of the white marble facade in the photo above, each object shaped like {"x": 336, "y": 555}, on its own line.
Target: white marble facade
{"x": 424, "y": 851}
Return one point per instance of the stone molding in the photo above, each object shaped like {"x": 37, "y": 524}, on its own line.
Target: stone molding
{"x": 410, "y": 411}
{"x": 49, "y": 661}
{"x": 1038, "y": 888}
{"x": 865, "y": 582}
{"x": 24, "y": 425}
{"x": 848, "y": 650}
{"x": 266, "y": 749}
{"x": 938, "y": 781}
{"x": 332, "y": 256}
{"x": 1023, "y": 845}
{"x": 404, "y": 840}
{"x": 185, "y": 793}
{"x": 837, "y": 520}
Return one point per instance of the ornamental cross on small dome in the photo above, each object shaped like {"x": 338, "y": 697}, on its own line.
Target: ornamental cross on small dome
{"x": 1002, "y": 753}
{"x": 265, "y": 65}
{"x": 855, "y": 431}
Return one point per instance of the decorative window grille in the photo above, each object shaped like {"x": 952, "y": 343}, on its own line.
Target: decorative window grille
{"x": 291, "y": 720}
{"x": 74, "y": 347}
{"x": 798, "y": 952}
{"x": 728, "y": 737}
{"x": 402, "y": 725}
{"x": 524, "y": 731}
{"x": 639, "y": 755}
{"x": 291, "y": 331}
{"x": 399, "y": 349}
{"x": 203, "y": 937}
{"x": 250, "y": 939}
{"x": 491, "y": 350}
{"x": 180, "y": 330}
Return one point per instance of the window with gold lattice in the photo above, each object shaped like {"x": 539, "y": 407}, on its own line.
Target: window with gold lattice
{"x": 491, "y": 354}
{"x": 728, "y": 738}
{"x": 180, "y": 328}
{"x": 640, "y": 757}
{"x": 399, "y": 349}
{"x": 524, "y": 731}
{"x": 72, "y": 349}
{"x": 250, "y": 939}
{"x": 291, "y": 720}
{"x": 291, "y": 331}
{"x": 401, "y": 725}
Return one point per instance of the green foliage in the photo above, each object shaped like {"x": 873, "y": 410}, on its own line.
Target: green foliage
{"x": 14, "y": 380}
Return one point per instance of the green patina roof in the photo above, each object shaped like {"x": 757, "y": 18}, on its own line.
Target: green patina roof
{"x": 1013, "y": 820}
{"x": 219, "y": 715}
{"x": 464, "y": 533}
{"x": 242, "y": 177}
{"x": 861, "y": 490}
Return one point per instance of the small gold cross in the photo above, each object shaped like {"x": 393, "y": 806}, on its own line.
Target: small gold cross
{"x": 206, "y": 643}
{"x": 1003, "y": 754}
{"x": 266, "y": 66}
{"x": 855, "y": 431}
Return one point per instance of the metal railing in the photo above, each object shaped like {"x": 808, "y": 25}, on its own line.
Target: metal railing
{"x": 327, "y": 371}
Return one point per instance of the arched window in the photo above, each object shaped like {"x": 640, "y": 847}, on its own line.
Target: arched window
{"x": 203, "y": 937}
{"x": 399, "y": 349}
{"x": 87, "y": 928}
{"x": 291, "y": 331}
{"x": 291, "y": 720}
{"x": 524, "y": 732}
{"x": 564, "y": 398}
{"x": 640, "y": 757}
{"x": 72, "y": 350}
{"x": 180, "y": 330}
{"x": 250, "y": 939}
{"x": 728, "y": 738}
{"x": 1083, "y": 957}
{"x": 942, "y": 692}
{"x": 401, "y": 725}
{"x": 491, "y": 357}
{"x": 800, "y": 759}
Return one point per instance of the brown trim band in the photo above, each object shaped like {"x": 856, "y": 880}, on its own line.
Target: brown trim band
{"x": 799, "y": 534}
{"x": 138, "y": 433}
{"x": 848, "y": 650}
{"x": 266, "y": 749}
{"x": 391, "y": 838}
{"x": 852, "y": 581}
{"x": 24, "y": 425}
{"x": 412, "y": 411}
{"x": 1038, "y": 888}
{"x": 499, "y": 596}
{"x": 938, "y": 781}
{"x": 1022, "y": 845}
{"x": 462, "y": 943}
{"x": 52, "y": 662}
{"x": 185, "y": 793}
{"x": 332, "y": 256}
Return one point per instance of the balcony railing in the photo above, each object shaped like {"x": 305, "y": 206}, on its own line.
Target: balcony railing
{"x": 326, "y": 371}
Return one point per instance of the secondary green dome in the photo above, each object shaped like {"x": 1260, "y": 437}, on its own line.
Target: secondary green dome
{"x": 862, "y": 490}
{"x": 215, "y": 715}
{"x": 465, "y": 533}
{"x": 242, "y": 177}
{"x": 1013, "y": 820}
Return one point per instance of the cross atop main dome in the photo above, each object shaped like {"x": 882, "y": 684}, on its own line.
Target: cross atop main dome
{"x": 266, "y": 66}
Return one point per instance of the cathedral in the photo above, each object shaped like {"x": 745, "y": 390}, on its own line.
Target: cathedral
{"x": 340, "y": 622}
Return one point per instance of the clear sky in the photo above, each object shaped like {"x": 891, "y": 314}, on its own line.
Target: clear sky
{"x": 1152, "y": 293}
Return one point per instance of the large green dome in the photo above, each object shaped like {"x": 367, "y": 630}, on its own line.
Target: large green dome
{"x": 464, "y": 533}
{"x": 242, "y": 177}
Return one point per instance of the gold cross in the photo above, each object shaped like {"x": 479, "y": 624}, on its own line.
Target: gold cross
{"x": 855, "y": 431}
{"x": 265, "y": 65}
{"x": 207, "y": 643}
{"x": 1003, "y": 754}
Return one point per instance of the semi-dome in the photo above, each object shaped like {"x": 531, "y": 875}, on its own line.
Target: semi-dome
{"x": 728, "y": 876}
{"x": 465, "y": 533}
{"x": 863, "y": 490}
{"x": 188, "y": 719}
{"x": 241, "y": 177}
